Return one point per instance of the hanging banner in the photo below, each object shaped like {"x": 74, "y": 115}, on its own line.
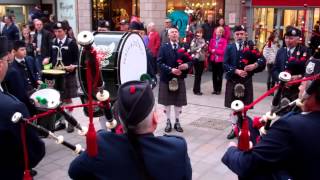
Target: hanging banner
{"x": 180, "y": 20}
{"x": 66, "y": 10}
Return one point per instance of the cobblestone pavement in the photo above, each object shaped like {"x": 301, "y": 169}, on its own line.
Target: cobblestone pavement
{"x": 205, "y": 122}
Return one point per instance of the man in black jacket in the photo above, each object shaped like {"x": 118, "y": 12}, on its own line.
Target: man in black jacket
{"x": 42, "y": 42}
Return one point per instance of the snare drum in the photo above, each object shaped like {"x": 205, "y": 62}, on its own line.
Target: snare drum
{"x": 122, "y": 58}
{"x": 54, "y": 78}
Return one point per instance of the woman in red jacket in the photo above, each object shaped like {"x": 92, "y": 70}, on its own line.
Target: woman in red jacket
{"x": 216, "y": 50}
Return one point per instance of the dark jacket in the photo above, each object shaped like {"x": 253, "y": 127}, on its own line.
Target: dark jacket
{"x": 69, "y": 56}
{"x": 12, "y": 32}
{"x": 20, "y": 82}
{"x": 295, "y": 67}
{"x": 166, "y": 157}
{"x": 232, "y": 59}
{"x": 12, "y": 161}
{"x": 46, "y": 43}
{"x": 290, "y": 146}
{"x": 167, "y": 60}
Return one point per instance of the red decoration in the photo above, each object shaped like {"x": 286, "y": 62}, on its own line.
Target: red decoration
{"x": 245, "y": 50}
{"x": 179, "y": 61}
{"x": 256, "y": 122}
{"x": 303, "y": 58}
{"x": 181, "y": 50}
{"x": 245, "y": 61}
{"x": 291, "y": 59}
{"x": 254, "y": 51}
{"x": 132, "y": 89}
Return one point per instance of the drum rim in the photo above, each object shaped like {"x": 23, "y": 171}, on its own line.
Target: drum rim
{"x": 45, "y": 71}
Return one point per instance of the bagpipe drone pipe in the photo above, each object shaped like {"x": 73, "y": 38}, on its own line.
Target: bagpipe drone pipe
{"x": 251, "y": 130}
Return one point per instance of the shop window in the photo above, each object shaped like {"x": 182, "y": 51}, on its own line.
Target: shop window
{"x": 215, "y": 8}
{"x": 114, "y": 11}
{"x": 264, "y": 23}
{"x": 316, "y": 16}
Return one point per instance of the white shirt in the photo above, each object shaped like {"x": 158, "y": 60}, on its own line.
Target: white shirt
{"x": 172, "y": 44}
{"x": 19, "y": 60}
{"x": 237, "y": 44}
{"x": 62, "y": 40}
{"x": 291, "y": 50}
{"x": 1, "y": 89}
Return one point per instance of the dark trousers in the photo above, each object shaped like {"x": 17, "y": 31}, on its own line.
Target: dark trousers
{"x": 217, "y": 73}
{"x": 270, "y": 81}
{"x": 39, "y": 60}
{"x": 198, "y": 70}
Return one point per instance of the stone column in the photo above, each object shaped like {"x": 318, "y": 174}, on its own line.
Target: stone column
{"x": 153, "y": 11}
{"x": 84, "y": 15}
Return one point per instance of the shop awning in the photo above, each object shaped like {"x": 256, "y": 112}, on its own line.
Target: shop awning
{"x": 285, "y": 3}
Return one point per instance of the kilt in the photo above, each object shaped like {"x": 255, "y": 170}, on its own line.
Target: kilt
{"x": 70, "y": 87}
{"x": 176, "y": 98}
{"x": 229, "y": 95}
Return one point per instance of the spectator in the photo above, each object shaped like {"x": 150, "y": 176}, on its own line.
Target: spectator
{"x": 164, "y": 33}
{"x": 198, "y": 50}
{"x": 217, "y": 48}
{"x": 269, "y": 52}
{"x": 227, "y": 31}
{"x": 10, "y": 30}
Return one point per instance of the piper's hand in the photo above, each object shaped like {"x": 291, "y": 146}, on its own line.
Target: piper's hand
{"x": 45, "y": 61}
{"x": 250, "y": 67}
{"x": 295, "y": 77}
{"x": 232, "y": 144}
{"x": 70, "y": 68}
{"x": 183, "y": 66}
{"x": 39, "y": 82}
{"x": 176, "y": 71}
{"x": 241, "y": 73}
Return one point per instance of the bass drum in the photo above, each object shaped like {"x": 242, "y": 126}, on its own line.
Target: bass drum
{"x": 122, "y": 58}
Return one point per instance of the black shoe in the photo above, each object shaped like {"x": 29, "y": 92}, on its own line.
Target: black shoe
{"x": 178, "y": 127}
{"x": 218, "y": 92}
{"x": 33, "y": 172}
{"x": 168, "y": 127}
{"x": 198, "y": 93}
{"x": 60, "y": 126}
{"x": 231, "y": 135}
{"x": 70, "y": 128}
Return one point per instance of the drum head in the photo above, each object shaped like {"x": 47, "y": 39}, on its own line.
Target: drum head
{"x": 133, "y": 58}
{"x": 46, "y": 98}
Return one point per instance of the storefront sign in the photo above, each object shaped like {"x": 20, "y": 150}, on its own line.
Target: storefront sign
{"x": 66, "y": 10}
{"x": 232, "y": 18}
{"x": 180, "y": 20}
{"x": 285, "y": 3}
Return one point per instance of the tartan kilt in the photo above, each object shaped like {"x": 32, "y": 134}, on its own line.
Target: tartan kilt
{"x": 176, "y": 98}
{"x": 70, "y": 87}
{"x": 229, "y": 95}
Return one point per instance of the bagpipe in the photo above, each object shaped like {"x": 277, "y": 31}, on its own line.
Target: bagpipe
{"x": 183, "y": 56}
{"x": 260, "y": 125}
{"x": 248, "y": 55}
